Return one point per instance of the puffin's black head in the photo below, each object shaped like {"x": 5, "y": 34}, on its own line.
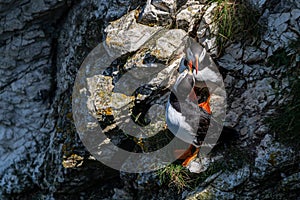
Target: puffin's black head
{"x": 184, "y": 85}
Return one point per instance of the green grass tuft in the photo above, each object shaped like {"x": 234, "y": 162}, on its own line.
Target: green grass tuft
{"x": 175, "y": 176}
{"x": 178, "y": 177}
{"x": 235, "y": 20}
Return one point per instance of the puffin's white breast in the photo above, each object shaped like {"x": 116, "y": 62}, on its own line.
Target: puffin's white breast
{"x": 177, "y": 125}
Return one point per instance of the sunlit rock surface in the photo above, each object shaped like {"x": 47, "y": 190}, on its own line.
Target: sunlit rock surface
{"x": 158, "y": 12}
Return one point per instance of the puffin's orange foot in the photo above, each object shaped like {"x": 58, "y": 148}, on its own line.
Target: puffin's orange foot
{"x": 190, "y": 158}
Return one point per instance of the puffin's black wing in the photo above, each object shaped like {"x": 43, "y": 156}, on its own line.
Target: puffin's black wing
{"x": 194, "y": 115}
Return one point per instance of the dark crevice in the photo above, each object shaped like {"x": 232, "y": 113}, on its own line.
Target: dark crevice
{"x": 52, "y": 32}
{"x": 53, "y": 71}
{"x": 2, "y": 88}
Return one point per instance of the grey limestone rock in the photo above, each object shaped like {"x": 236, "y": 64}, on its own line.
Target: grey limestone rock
{"x": 269, "y": 155}
{"x": 43, "y": 43}
{"x": 160, "y": 12}
{"x": 253, "y": 55}
{"x": 207, "y": 30}
{"x": 26, "y": 84}
{"x": 187, "y": 17}
{"x": 33, "y": 79}
{"x": 258, "y": 3}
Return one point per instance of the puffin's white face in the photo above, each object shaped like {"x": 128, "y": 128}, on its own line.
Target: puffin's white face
{"x": 190, "y": 55}
{"x": 195, "y": 54}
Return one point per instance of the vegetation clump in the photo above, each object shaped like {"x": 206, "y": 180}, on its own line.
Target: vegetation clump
{"x": 235, "y": 20}
{"x": 179, "y": 178}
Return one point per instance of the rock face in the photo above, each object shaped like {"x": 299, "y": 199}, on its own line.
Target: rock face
{"x": 27, "y": 90}
{"x": 245, "y": 182}
{"x": 136, "y": 89}
{"x": 44, "y": 43}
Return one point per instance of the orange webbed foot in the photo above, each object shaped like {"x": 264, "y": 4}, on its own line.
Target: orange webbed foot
{"x": 189, "y": 159}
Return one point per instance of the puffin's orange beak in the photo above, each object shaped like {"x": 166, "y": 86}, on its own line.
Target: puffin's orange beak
{"x": 196, "y": 58}
{"x": 191, "y": 65}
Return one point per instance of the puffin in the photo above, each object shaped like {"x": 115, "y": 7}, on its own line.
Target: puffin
{"x": 203, "y": 67}
{"x": 185, "y": 118}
